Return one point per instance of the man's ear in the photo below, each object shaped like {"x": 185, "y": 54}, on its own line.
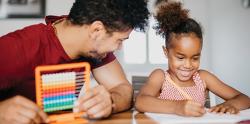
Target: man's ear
{"x": 96, "y": 28}
{"x": 165, "y": 50}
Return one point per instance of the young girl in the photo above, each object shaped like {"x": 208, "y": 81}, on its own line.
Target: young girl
{"x": 182, "y": 88}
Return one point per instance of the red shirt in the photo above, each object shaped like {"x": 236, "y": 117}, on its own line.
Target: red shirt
{"x": 21, "y": 51}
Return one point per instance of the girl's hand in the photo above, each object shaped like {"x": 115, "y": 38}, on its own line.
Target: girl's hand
{"x": 224, "y": 108}
{"x": 189, "y": 108}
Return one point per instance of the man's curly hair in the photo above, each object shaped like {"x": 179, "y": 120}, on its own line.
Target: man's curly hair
{"x": 116, "y": 15}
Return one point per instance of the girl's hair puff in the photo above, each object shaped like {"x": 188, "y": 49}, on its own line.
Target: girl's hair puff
{"x": 174, "y": 20}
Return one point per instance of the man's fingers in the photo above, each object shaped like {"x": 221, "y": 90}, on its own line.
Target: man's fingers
{"x": 26, "y": 103}
{"x": 100, "y": 114}
{"x": 95, "y": 101}
{"x": 32, "y": 110}
{"x": 43, "y": 116}
{"x": 22, "y": 119}
{"x": 29, "y": 114}
{"x": 34, "y": 117}
{"x": 90, "y": 103}
{"x": 97, "y": 108}
{"x": 89, "y": 94}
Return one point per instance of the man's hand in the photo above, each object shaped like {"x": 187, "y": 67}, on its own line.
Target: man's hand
{"x": 20, "y": 110}
{"x": 96, "y": 102}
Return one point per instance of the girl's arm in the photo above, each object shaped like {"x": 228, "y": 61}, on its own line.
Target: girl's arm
{"x": 234, "y": 100}
{"x": 148, "y": 101}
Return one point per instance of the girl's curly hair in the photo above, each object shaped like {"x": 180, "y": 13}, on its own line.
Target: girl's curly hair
{"x": 173, "y": 19}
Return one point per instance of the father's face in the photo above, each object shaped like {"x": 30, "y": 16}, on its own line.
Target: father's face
{"x": 106, "y": 42}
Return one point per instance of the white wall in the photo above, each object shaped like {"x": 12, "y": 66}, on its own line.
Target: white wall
{"x": 230, "y": 41}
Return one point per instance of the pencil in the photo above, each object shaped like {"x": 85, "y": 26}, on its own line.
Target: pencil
{"x": 178, "y": 88}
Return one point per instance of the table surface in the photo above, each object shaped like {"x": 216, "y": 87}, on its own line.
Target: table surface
{"x": 128, "y": 117}
{"x": 134, "y": 117}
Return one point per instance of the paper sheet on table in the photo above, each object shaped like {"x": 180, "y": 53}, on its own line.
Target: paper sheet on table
{"x": 207, "y": 118}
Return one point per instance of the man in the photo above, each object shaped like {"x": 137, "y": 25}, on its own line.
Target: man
{"x": 91, "y": 32}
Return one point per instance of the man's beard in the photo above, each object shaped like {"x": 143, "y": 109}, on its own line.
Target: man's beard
{"x": 97, "y": 56}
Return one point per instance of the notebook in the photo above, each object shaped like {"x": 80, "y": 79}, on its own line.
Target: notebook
{"x": 207, "y": 118}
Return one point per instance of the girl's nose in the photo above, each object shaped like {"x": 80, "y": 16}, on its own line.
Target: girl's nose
{"x": 188, "y": 64}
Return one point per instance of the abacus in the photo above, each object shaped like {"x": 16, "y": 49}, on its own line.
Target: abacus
{"x": 58, "y": 87}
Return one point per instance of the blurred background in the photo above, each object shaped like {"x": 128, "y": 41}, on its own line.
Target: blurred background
{"x": 226, "y": 30}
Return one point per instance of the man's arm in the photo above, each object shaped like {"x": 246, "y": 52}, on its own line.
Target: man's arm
{"x": 114, "y": 94}
{"x": 113, "y": 78}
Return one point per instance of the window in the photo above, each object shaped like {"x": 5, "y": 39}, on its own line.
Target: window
{"x": 135, "y": 48}
{"x": 141, "y": 47}
{"x": 22, "y": 8}
{"x": 155, "y": 42}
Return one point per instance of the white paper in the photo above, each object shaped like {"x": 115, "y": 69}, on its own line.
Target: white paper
{"x": 207, "y": 118}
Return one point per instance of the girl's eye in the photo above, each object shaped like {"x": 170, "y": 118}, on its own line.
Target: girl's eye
{"x": 180, "y": 58}
{"x": 197, "y": 58}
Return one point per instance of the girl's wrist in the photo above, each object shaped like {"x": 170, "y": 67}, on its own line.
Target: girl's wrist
{"x": 176, "y": 107}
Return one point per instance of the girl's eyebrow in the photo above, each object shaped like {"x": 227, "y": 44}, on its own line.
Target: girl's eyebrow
{"x": 198, "y": 54}
{"x": 180, "y": 53}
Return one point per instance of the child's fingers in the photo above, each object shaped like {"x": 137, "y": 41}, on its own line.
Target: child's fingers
{"x": 212, "y": 109}
{"x": 233, "y": 111}
{"x": 230, "y": 111}
{"x": 197, "y": 109}
{"x": 223, "y": 110}
{"x": 237, "y": 111}
{"x": 216, "y": 109}
{"x": 201, "y": 112}
{"x": 197, "y": 113}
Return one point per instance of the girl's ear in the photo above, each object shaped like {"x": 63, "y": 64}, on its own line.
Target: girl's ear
{"x": 165, "y": 50}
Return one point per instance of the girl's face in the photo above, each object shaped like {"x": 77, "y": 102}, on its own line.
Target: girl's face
{"x": 183, "y": 56}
